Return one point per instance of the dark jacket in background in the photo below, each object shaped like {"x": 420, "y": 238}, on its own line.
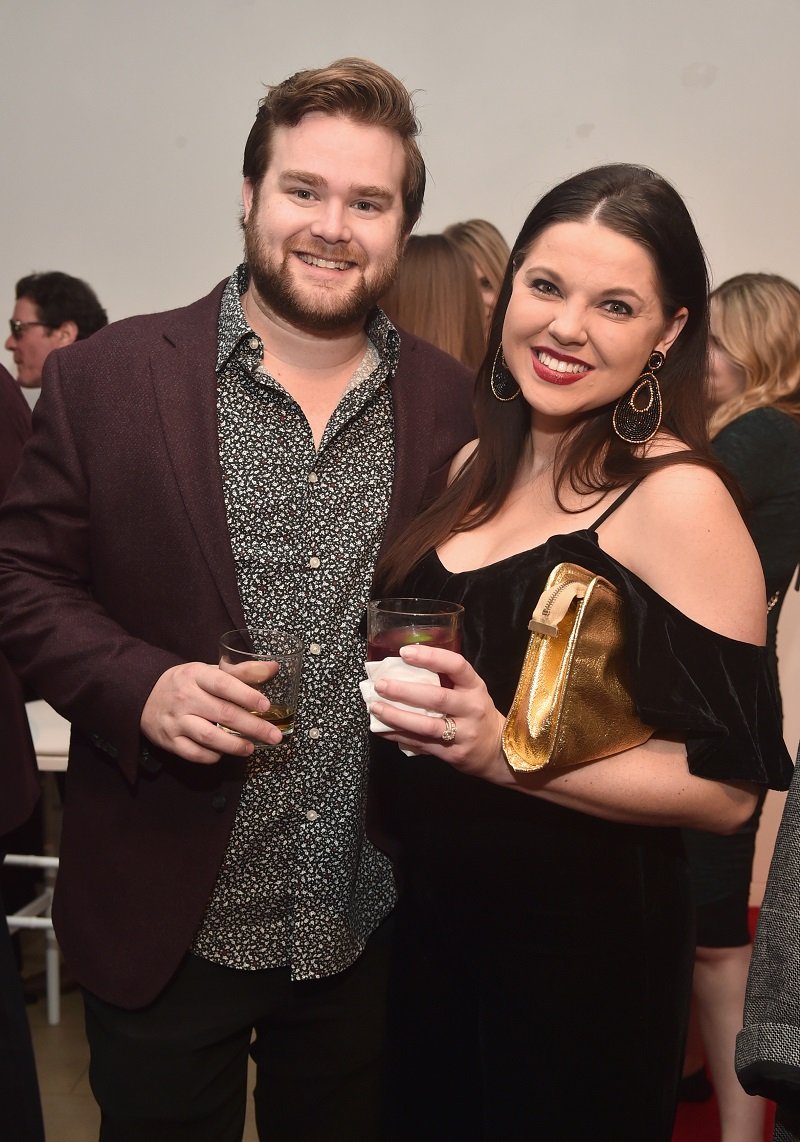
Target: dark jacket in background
{"x": 19, "y": 781}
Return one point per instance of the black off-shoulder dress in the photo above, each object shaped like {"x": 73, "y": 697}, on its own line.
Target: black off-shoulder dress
{"x": 544, "y": 956}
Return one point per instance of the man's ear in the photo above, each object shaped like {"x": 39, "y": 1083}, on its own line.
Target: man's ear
{"x": 67, "y": 332}
{"x": 247, "y": 198}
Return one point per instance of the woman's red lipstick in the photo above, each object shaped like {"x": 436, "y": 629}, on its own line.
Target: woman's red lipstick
{"x": 558, "y": 368}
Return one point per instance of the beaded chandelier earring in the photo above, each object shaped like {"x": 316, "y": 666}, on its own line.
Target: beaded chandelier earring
{"x": 501, "y": 380}
{"x": 637, "y": 416}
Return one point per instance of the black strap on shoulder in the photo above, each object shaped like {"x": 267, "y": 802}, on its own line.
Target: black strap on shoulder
{"x": 618, "y": 502}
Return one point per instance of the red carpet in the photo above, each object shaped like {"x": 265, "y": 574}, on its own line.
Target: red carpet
{"x": 699, "y": 1121}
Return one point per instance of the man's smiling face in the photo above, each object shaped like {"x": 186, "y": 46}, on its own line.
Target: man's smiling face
{"x": 324, "y": 229}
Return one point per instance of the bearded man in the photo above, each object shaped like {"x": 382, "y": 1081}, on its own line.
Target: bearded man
{"x": 238, "y": 462}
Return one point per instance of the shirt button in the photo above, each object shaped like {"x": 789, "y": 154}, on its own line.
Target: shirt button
{"x": 313, "y": 477}
{"x": 218, "y": 802}
{"x": 314, "y": 733}
{"x": 311, "y": 814}
{"x": 253, "y": 342}
{"x": 315, "y": 648}
{"x": 314, "y": 562}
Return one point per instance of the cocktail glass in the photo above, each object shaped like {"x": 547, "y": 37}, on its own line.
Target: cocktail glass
{"x": 392, "y": 623}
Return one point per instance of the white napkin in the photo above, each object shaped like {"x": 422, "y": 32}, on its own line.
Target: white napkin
{"x": 400, "y": 671}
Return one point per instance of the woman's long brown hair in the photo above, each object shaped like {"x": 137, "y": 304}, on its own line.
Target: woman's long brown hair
{"x": 435, "y": 296}
{"x": 640, "y": 205}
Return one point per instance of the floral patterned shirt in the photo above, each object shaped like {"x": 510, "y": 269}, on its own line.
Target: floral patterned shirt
{"x": 300, "y": 885}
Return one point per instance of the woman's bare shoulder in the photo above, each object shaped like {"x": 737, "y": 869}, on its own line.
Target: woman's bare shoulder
{"x": 460, "y": 459}
{"x": 684, "y": 536}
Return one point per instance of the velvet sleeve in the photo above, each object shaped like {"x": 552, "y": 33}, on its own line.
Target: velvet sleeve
{"x": 713, "y": 692}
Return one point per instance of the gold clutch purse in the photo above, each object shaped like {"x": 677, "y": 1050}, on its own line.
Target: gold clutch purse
{"x": 573, "y": 702}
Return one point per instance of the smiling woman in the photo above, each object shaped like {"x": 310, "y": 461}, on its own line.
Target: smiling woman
{"x": 584, "y": 307}
{"x": 544, "y": 923}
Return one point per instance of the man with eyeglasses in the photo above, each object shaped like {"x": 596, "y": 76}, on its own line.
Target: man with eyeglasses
{"x": 52, "y": 310}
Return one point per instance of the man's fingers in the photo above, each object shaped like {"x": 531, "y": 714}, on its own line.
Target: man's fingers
{"x": 251, "y": 673}
{"x": 190, "y": 702}
{"x": 232, "y": 720}
{"x": 240, "y": 691}
{"x": 189, "y": 750}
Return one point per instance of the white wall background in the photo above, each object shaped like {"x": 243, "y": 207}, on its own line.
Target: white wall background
{"x": 123, "y": 126}
{"x": 123, "y": 122}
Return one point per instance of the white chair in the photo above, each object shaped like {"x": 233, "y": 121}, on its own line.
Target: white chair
{"x": 36, "y": 914}
{"x": 50, "y": 734}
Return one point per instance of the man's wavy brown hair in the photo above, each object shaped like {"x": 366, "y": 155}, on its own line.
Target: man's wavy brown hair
{"x": 356, "y": 89}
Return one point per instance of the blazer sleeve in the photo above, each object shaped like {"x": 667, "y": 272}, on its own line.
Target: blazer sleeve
{"x": 15, "y": 427}
{"x": 19, "y": 780}
{"x": 58, "y": 637}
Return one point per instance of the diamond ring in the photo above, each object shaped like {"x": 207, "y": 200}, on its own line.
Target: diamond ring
{"x": 449, "y": 731}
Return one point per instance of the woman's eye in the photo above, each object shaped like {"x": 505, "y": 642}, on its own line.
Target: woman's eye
{"x": 618, "y": 308}
{"x": 541, "y": 285}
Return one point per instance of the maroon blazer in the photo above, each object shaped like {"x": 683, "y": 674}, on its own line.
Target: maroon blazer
{"x": 116, "y": 564}
{"x": 19, "y": 779}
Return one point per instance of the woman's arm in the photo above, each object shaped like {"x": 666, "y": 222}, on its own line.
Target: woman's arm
{"x": 681, "y": 533}
{"x": 648, "y": 785}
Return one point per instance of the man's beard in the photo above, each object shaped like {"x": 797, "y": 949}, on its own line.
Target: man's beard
{"x": 320, "y": 313}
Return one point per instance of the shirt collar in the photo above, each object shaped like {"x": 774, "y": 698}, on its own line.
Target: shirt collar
{"x": 232, "y": 328}
{"x": 234, "y": 331}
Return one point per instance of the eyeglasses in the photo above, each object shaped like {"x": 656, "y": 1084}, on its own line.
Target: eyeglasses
{"x": 18, "y": 327}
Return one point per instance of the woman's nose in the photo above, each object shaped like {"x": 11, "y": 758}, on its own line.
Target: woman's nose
{"x": 568, "y": 325}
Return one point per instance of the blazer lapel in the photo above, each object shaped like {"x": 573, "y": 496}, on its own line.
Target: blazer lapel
{"x": 412, "y": 427}
{"x": 184, "y": 378}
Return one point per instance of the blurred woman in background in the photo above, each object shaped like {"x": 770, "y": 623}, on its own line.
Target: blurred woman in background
{"x": 755, "y": 388}
{"x": 488, "y": 252}
{"x": 436, "y": 297}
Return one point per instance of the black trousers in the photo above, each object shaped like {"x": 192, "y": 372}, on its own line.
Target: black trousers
{"x": 20, "y": 1111}
{"x": 176, "y": 1071}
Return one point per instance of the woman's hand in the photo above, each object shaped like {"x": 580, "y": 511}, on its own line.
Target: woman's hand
{"x": 647, "y": 785}
{"x": 476, "y": 746}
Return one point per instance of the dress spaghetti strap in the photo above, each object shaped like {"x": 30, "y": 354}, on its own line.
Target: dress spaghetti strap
{"x": 618, "y": 502}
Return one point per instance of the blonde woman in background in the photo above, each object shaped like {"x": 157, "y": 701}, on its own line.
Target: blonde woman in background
{"x": 435, "y": 296}
{"x": 488, "y": 252}
{"x": 755, "y": 388}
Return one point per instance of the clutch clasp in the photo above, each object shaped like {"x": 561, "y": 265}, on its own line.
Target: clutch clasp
{"x": 552, "y": 607}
